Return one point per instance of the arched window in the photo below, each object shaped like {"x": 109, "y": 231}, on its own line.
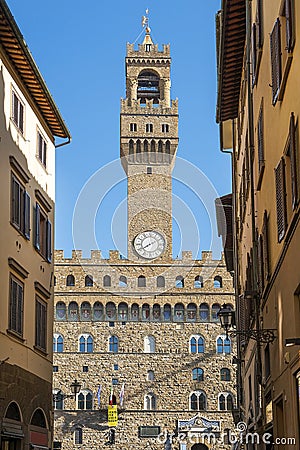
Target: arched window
{"x": 217, "y": 282}
{"x": 122, "y": 281}
{"x": 78, "y": 435}
{"x": 86, "y": 343}
{"x": 58, "y": 343}
{"x": 214, "y": 312}
{"x": 160, "y": 281}
{"x": 73, "y": 312}
{"x": 150, "y": 402}
{"x": 160, "y": 152}
{"x": 148, "y": 87}
{"x": 198, "y": 401}
{"x": 85, "y": 311}
{"x": 131, "y": 151}
{"x": 191, "y": 312}
{"x": 38, "y": 419}
{"x": 89, "y": 281}
{"x": 146, "y": 150}
{"x": 110, "y": 311}
{"x": 225, "y": 402}
{"x": 225, "y": 374}
{"x": 149, "y": 344}
{"x": 58, "y": 399}
{"x": 179, "y": 283}
{"x": 106, "y": 281}
{"x": 150, "y": 375}
{"x": 98, "y": 311}
{"x": 198, "y": 283}
{"x": 168, "y": 151}
{"x": 179, "y": 312}
{"x": 13, "y": 412}
{"x": 153, "y": 152}
{"x": 60, "y": 311}
{"x": 198, "y": 374}
{"x": 223, "y": 345}
{"x": 113, "y": 344}
{"x": 138, "y": 151}
{"x": 196, "y": 344}
{"x": 167, "y": 313}
{"x": 146, "y": 311}
{"x": 123, "y": 312}
{"x": 70, "y": 280}
{"x": 204, "y": 312}
{"x": 141, "y": 281}
{"x": 85, "y": 399}
{"x": 156, "y": 312}
{"x": 135, "y": 312}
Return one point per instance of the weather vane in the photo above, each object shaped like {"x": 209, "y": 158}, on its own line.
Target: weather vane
{"x": 145, "y": 20}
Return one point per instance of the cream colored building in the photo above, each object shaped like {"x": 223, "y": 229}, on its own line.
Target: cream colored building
{"x": 148, "y": 322}
{"x": 259, "y": 99}
{"x": 29, "y": 123}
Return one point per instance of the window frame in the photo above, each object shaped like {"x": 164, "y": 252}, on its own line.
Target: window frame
{"x": 43, "y": 233}
{"x": 41, "y": 322}
{"x": 20, "y": 209}
{"x": 42, "y": 149}
{"x": 17, "y": 111}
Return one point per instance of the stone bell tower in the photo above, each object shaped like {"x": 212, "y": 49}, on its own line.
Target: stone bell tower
{"x": 148, "y": 144}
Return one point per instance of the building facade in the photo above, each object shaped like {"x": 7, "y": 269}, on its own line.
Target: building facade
{"x": 146, "y": 325}
{"x": 258, "y": 111}
{"x": 29, "y": 123}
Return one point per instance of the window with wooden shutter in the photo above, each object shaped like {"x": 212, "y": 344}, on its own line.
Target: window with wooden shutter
{"x": 20, "y": 207}
{"x": 280, "y": 199}
{"x": 259, "y": 24}
{"x": 293, "y": 161}
{"x": 43, "y": 234}
{"x": 254, "y": 53}
{"x": 260, "y": 266}
{"x": 16, "y": 301}
{"x": 275, "y": 45}
{"x": 290, "y": 29}
{"x": 40, "y": 324}
{"x": 266, "y": 246}
{"x": 260, "y": 145}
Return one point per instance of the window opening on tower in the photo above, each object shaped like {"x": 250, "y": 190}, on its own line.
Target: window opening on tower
{"x": 148, "y": 87}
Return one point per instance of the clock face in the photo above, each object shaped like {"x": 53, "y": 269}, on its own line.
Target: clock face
{"x": 149, "y": 244}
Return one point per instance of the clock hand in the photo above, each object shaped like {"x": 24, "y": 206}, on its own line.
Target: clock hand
{"x": 149, "y": 244}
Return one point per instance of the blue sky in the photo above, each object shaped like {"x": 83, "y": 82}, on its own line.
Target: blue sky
{"x": 80, "y": 50}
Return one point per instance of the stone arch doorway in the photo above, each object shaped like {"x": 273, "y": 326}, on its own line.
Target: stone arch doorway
{"x": 12, "y": 428}
{"x": 199, "y": 447}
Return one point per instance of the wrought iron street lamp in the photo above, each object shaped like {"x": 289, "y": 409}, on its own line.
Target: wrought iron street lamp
{"x": 227, "y": 320}
{"x": 75, "y": 389}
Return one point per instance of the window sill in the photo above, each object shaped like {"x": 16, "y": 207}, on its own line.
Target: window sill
{"x": 15, "y": 335}
{"x": 20, "y": 232}
{"x": 40, "y": 350}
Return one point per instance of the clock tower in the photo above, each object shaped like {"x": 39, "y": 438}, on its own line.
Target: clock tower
{"x": 148, "y": 145}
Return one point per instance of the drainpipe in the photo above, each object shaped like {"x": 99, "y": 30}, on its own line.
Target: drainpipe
{"x": 252, "y": 193}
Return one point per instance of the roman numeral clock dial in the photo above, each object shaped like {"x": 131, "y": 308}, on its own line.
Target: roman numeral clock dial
{"x": 149, "y": 244}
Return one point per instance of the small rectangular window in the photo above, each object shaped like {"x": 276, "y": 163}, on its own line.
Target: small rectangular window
{"x": 17, "y": 112}
{"x": 40, "y": 324}
{"x": 275, "y": 44}
{"x": 20, "y": 207}
{"x": 281, "y": 208}
{"x": 114, "y": 381}
{"x": 111, "y": 324}
{"x": 16, "y": 302}
{"x": 55, "y": 368}
{"x": 133, "y": 127}
{"x": 149, "y": 170}
{"x": 149, "y": 127}
{"x": 85, "y": 368}
{"x": 150, "y": 431}
{"x": 41, "y": 149}
{"x": 165, "y": 128}
{"x": 116, "y": 367}
{"x": 148, "y": 47}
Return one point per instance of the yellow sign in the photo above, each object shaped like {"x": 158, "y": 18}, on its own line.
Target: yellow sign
{"x": 112, "y": 415}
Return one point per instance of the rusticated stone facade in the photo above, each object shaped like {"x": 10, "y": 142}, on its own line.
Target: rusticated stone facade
{"x": 172, "y": 358}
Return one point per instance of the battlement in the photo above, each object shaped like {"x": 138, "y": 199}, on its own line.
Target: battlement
{"x": 135, "y": 107}
{"x": 116, "y": 258}
{"x": 133, "y": 52}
